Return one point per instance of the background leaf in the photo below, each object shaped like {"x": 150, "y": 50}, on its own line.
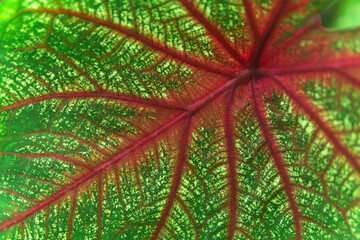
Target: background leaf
{"x": 341, "y": 15}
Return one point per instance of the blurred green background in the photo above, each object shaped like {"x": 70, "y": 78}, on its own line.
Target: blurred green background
{"x": 342, "y": 15}
{"x": 338, "y": 16}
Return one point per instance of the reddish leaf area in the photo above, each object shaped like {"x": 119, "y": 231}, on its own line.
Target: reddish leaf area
{"x": 256, "y": 76}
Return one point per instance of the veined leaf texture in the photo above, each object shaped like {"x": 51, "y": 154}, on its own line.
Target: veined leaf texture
{"x": 177, "y": 119}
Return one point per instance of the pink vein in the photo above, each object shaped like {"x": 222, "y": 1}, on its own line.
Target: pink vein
{"x": 295, "y": 6}
{"x": 19, "y": 195}
{"x": 274, "y": 18}
{"x": 95, "y": 95}
{"x": 73, "y": 65}
{"x": 94, "y": 172}
{"x": 214, "y": 32}
{"x": 72, "y": 213}
{"x": 313, "y": 67}
{"x": 192, "y": 109}
{"x": 229, "y": 133}
{"x": 68, "y": 135}
{"x": 137, "y": 177}
{"x": 278, "y": 160}
{"x": 176, "y": 180}
{"x": 317, "y": 119}
{"x": 30, "y": 74}
{"x": 152, "y": 44}
{"x": 295, "y": 37}
{"x": 251, "y": 18}
{"x": 48, "y": 155}
{"x": 100, "y": 200}
{"x": 348, "y": 78}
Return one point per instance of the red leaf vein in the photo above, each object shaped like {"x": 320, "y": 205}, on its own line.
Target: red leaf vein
{"x": 278, "y": 160}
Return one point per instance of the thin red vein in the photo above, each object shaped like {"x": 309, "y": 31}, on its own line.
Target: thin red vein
{"x": 296, "y": 6}
{"x": 95, "y": 95}
{"x": 191, "y": 109}
{"x": 251, "y": 18}
{"x": 100, "y": 150}
{"x": 220, "y": 90}
{"x": 312, "y": 67}
{"x": 348, "y": 78}
{"x": 137, "y": 177}
{"x": 19, "y": 195}
{"x": 188, "y": 213}
{"x": 340, "y": 71}
{"x": 116, "y": 171}
{"x": 214, "y": 32}
{"x": 294, "y": 38}
{"x": 176, "y": 180}
{"x": 93, "y": 173}
{"x": 47, "y": 224}
{"x": 321, "y": 124}
{"x": 48, "y": 155}
{"x": 22, "y": 231}
{"x": 9, "y": 93}
{"x": 259, "y": 110}
{"x": 100, "y": 199}
{"x": 230, "y": 149}
{"x": 72, "y": 213}
{"x": 274, "y": 18}
{"x": 152, "y": 44}
{"x": 30, "y": 74}
{"x": 39, "y": 180}
{"x": 73, "y": 65}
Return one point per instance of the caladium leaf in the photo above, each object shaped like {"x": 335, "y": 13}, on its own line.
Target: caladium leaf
{"x": 177, "y": 119}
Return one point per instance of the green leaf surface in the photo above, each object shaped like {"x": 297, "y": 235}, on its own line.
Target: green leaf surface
{"x": 177, "y": 119}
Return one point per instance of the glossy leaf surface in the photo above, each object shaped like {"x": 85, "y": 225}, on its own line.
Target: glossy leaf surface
{"x": 177, "y": 119}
